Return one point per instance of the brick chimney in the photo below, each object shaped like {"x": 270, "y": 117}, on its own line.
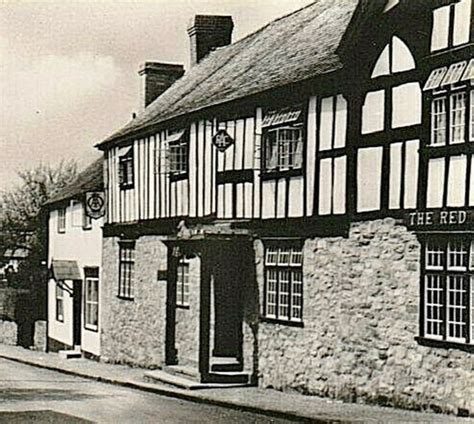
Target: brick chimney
{"x": 206, "y": 33}
{"x": 157, "y": 78}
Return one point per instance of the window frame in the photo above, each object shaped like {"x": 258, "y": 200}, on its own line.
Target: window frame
{"x": 178, "y": 150}
{"x": 126, "y": 170}
{"x": 288, "y": 268}
{"x": 126, "y": 270}
{"x": 448, "y": 96}
{"x": 59, "y": 303}
{"x": 91, "y": 276}
{"x": 293, "y": 149}
{"x": 61, "y": 216}
{"x": 446, "y": 308}
{"x": 182, "y": 283}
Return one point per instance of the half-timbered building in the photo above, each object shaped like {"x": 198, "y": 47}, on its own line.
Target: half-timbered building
{"x": 296, "y": 209}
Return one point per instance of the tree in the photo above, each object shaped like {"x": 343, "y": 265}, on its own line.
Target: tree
{"x": 22, "y": 222}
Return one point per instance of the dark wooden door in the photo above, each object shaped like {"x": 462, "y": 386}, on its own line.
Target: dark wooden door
{"x": 77, "y": 312}
{"x": 227, "y": 300}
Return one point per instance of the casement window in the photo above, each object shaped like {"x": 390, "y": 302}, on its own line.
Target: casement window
{"x": 76, "y": 214}
{"x": 449, "y": 114}
{"x": 284, "y": 148}
{"x": 283, "y": 295}
{"x": 451, "y": 25}
{"x": 126, "y": 172}
{"x": 182, "y": 283}
{"x": 62, "y": 220}
{"x": 448, "y": 289}
{"x": 178, "y": 157}
{"x": 59, "y": 301}
{"x": 126, "y": 269}
{"x": 283, "y": 140}
{"x": 91, "y": 298}
{"x": 173, "y": 155}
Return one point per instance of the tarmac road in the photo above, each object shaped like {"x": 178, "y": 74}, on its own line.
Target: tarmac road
{"x": 33, "y": 395}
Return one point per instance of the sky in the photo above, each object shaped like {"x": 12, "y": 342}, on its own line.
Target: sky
{"x": 69, "y": 70}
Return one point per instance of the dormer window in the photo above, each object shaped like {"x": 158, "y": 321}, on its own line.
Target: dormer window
{"x": 126, "y": 170}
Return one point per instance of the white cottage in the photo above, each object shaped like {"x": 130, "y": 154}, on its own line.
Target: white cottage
{"x": 75, "y": 260}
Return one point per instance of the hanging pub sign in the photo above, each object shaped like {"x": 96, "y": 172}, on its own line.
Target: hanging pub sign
{"x": 222, "y": 140}
{"x": 449, "y": 219}
{"x": 95, "y": 204}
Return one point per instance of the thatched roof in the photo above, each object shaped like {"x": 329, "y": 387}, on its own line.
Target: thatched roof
{"x": 294, "y": 48}
{"x": 92, "y": 178}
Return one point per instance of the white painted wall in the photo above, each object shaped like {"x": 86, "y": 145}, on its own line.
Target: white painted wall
{"x": 85, "y": 247}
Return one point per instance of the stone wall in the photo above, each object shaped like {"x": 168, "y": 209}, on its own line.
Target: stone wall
{"x": 8, "y": 333}
{"x": 361, "y": 297}
{"x": 133, "y": 331}
{"x": 187, "y": 320}
{"x": 40, "y": 336}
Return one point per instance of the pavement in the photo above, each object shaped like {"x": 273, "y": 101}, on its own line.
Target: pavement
{"x": 268, "y": 402}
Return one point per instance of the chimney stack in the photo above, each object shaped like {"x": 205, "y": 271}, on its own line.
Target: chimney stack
{"x": 208, "y": 32}
{"x": 157, "y": 78}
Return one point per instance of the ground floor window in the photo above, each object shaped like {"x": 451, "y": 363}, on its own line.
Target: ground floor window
{"x": 91, "y": 298}
{"x": 59, "y": 301}
{"x": 448, "y": 289}
{"x": 126, "y": 269}
{"x": 182, "y": 283}
{"x": 283, "y": 297}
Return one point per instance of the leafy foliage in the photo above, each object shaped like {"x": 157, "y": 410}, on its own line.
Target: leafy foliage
{"x": 23, "y": 224}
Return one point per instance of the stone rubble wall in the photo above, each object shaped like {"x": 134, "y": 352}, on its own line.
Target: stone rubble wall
{"x": 133, "y": 331}
{"x": 187, "y": 320}
{"x": 361, "y": 297}
{"x": 8, "y": 333}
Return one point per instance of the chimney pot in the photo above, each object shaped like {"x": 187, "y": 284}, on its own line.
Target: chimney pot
{"x": 157, "y": 78}
{"x": 208, "y": 32}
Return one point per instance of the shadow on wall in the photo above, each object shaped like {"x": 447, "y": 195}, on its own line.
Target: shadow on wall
{"x": 251, "y": 307}
{"x": 19, "y": 310}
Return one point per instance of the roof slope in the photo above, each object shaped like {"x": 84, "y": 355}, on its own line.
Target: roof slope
{"x": 290, "y": 49}
{"x": 92, "y": 178}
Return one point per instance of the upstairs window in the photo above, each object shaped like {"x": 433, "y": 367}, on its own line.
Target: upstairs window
{"x": 283, "y": 299}
{"x": 178, "y": 157}
{"x": 449, "y": 113}
{"x": 126, "y": 170}
{"x": 283, "y": 140}
{"x": 62, "y": 220}
{"x": 126, "y": 269}
{"x": 283, "y": 149}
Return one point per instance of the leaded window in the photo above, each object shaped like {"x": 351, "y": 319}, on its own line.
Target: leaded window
{"x": 284, "y": 282}
{"x": 126, "y": 269}
{"x": 182, "y": 283}
{"x": 284, "y": 148}
{"x": 448, "y": 118}
{"x": 178, "y": 157}
{"x": 448, "y": 291}
{"x": 126, "y": 172}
